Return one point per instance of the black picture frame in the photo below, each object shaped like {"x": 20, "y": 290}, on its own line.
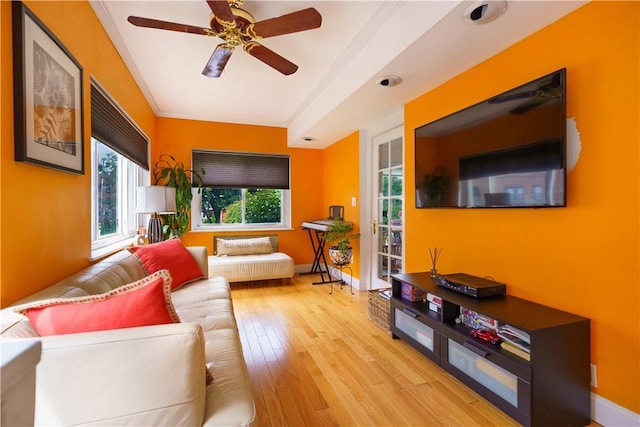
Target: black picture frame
{"x": 47, "y": 96}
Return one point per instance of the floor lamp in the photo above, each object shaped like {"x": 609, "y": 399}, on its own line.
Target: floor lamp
{"x": 155, "y": 200}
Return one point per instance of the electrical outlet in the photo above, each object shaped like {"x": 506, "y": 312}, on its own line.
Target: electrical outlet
{"x": 594, "y": 376}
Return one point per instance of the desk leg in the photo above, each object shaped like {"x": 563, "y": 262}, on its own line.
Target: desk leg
{"x": 342, "y": 267}
{"x": 317, "y": 244}
{"x": 318, "y": 250}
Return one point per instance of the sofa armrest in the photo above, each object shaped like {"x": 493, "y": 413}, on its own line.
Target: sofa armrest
{"x": 202, "y": 258}
{"x": 153, "y": 375}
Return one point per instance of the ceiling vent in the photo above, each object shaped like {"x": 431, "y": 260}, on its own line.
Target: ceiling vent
{"x": 485, "y": 11}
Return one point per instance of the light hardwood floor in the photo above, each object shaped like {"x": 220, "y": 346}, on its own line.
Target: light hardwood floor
{"x": 315, "y": 359}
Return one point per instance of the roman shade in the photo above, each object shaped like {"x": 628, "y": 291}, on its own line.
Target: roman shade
{"x": 538, "y": 157}
{"x": 225, "y": 169}
{"x": 111, "y": 126}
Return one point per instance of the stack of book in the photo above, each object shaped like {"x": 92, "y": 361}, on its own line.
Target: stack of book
{"x": 476, "y": 320}
{"x": 515, "y": 340}
{"x": 435, "y": 303}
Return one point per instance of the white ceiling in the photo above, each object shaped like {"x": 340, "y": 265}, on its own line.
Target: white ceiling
{"x": 335, "y": 90}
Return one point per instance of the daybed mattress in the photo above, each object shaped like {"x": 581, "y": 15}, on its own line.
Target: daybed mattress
{"x": 242, "y": 268}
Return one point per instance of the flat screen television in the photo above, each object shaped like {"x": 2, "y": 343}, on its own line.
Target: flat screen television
{"x": 507, "y": 152}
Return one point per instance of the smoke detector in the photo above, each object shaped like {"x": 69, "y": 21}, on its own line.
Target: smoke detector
{"x": 387, "y": 81}
{"x": 484, "y": 11}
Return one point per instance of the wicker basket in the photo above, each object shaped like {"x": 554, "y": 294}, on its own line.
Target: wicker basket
{"x": 379, "y": 308}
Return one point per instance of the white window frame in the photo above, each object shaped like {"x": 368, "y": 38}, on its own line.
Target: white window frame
{"x": 198, "y": 225}
{"x": 130, "y": 176}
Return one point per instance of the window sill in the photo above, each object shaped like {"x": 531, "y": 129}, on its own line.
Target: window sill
{"x": 104, "y": 250}
{"x": 218, "y": 229}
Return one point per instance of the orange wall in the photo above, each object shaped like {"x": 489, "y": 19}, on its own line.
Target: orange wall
{"x": 45, "y": 233}
{"x": 341, "y": 183}
{"x": 583, "y": 258}
{"x": 178, "y": 137}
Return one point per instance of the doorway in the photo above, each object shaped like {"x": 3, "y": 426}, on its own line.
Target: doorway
{"x": 387, "y": 250}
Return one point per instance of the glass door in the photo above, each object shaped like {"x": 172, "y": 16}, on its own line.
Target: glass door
{"x": 388, "y": 223}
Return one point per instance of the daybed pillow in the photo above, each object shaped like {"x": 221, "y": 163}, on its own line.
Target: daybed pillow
{"x": 172, "y": 255}
{"x": 141, "y": 303}
{"x": 252, "y": 246}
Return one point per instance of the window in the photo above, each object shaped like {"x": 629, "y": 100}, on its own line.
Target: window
{"x": 114, "y": 182}
{"x": 537, "y": 194}
{"x": 516, "y": 192}
{"x": 241, "y": 191}
{"x": 119, "y": 152}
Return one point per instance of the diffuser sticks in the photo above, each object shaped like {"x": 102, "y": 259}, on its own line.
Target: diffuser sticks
{"x": 434, "y": 254}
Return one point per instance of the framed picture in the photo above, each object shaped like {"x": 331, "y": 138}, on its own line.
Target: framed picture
{"x": 47, "y": 96}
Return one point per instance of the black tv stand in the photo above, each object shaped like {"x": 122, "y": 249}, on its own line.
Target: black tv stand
{"x": 552, "y": 388}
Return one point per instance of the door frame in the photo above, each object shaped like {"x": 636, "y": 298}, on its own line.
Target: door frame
{"x": 367, "y": 239}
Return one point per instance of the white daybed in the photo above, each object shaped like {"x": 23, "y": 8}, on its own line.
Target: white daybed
{"x": 249, "y": 258}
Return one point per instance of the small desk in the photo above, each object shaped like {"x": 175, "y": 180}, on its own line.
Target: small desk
{"x": 316, "y": 230}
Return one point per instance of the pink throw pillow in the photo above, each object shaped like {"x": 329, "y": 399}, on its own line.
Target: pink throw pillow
{"x": 171, "y": 255}
{"x": 141, "y": 303}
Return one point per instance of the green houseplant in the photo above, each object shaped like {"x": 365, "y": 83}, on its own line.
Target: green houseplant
{"x": 339, "y": 237}
{"x": 435, "y": 186}
{"x": 168, "y": 171}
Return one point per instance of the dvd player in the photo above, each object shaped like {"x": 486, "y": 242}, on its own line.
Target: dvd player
{"x": 473, "y": 286}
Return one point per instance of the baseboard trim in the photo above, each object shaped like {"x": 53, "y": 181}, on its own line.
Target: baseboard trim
{"x": 610, "y": 414}
{"x": 302, "y": 268}
{"x": 305, "y": 268}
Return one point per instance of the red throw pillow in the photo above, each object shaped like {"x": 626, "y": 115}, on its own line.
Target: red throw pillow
{"x": 172, "y": 255}
{"x": 141, "y": 303}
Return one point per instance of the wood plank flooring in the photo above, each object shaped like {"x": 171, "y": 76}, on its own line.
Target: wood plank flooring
{"x": 316, "y": 360}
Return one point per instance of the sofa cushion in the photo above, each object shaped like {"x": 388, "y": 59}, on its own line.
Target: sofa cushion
{"x": 141, "y": 303}
{"x": 276, "y": 265}
{"x": 171, "y": 255}
{"x": 251, "y": 246}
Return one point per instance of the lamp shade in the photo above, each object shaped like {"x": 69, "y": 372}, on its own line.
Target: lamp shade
{"x": 156, "y": 199}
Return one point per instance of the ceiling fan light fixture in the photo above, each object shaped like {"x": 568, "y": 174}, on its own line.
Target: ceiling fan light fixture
{"x": 388, "y": 81}
{"x": 484, "y": 11}
{"x": 236, "y": 27}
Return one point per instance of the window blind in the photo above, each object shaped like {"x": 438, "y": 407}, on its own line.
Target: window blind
{"x": 225, "y": 169}
{"x": 537, "y": 157}
{"x": 111, "y": 126}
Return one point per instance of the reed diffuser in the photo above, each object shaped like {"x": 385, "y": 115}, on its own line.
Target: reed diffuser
{"x": 434, "y": 254}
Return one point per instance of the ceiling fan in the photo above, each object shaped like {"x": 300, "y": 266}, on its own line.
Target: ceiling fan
{"x": 547, "y": 91}
{"x": 237, "y": 27}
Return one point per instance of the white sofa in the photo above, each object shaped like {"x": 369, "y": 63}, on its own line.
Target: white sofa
{"x": 151, "y": 375}
{"x": 250, "y": 258}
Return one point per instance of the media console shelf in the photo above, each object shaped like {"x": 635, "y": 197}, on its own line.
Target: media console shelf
{"x": 552, "y": 388}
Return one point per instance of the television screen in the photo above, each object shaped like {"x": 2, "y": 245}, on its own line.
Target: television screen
{"x": 508, "y": 151}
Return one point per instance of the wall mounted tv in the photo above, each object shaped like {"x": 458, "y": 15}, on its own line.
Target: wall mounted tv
{"x": 508, "y": 151}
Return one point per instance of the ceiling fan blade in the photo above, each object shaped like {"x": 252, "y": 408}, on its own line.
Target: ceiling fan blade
{"x": 218, "y": 61}
{"x": 512, "y": 97}
{"x": 549, "y": 89}
{"x": 164, "y": 25}
{"x": 222, "y": 12}
{"x": 529, "y": 105}
{"x": 270, "y": 58}
{"x": 301, "y": 20}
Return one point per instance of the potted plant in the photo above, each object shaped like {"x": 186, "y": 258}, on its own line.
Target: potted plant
{"x": 435, "y": 186}
{"x": 168, "y": 171}
{"x": 339, "y": 237}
